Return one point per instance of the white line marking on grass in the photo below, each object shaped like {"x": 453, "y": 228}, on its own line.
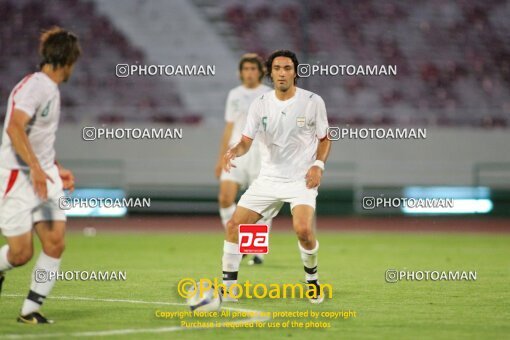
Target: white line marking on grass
{"x": 128, "y": 330}
{"x": 78, "y": 298}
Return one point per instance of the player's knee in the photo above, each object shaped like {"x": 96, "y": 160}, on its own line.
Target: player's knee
{"x": 55, "y": 248}
{"x": 232, "y": 226}
{"x": 20, "y": 257}
{"x": 304, "y": 234}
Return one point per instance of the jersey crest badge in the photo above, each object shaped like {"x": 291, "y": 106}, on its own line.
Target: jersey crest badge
{"x": 300, "y": 122}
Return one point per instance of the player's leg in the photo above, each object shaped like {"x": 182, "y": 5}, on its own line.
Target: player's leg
{"x": 17, "y": 200}
{"x": 252, "y": 172}
{"x": 15, "y": 253}
{"x": 303, "y": 223}
{"x": 49, "y": 223}
{"x": 230, "y": 183}
{"x": 52, "y": 236}
{"x": 259, "y": 200}
{"x": 226, "y": 199}
{"x": 231, "y": 255}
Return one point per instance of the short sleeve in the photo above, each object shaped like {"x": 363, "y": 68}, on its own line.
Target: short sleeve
{"x": 253, "y": 119}
{"x": 29, "y": 97}
{"x": 321, "y": 120}
{"x": 231, "y": 108}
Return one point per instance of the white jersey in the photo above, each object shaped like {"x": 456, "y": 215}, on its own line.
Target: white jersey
{"x": 238, "y": 103}
{"x": 290, "y": 131}
{"x": 39, "y": 97}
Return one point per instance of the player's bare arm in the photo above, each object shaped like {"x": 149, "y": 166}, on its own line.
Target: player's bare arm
{"x": 237, "y": 151}
{"x": 227, "y": 134}
{"x": 17, "y": 134}
{"x": 314, "y": 174}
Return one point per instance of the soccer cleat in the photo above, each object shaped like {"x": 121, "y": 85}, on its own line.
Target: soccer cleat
{"x": 2, "y": 278}
{"x": 255, "y": 260}
{"x": 319, "y": 296}
{"x": 34, "y": 319}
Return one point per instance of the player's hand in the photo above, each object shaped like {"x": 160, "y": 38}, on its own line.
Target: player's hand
{"x": 228, "y": 158}
{"x": 313, "y": 177}
{"x": 218, "y": 168}
{"x": 38, "y": 178}
{"x": 67, "y": 178}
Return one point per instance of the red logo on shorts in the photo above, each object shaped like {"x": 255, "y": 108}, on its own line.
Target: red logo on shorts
{"x": 253, "y": 239}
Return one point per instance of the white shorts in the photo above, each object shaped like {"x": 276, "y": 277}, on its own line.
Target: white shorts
{"x": 267, "y": 197}
{"x": 20, "y": 207}
{"x": 246, "y": 170}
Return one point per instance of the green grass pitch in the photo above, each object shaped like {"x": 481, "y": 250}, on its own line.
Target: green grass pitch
{"x": 353, "y": 263}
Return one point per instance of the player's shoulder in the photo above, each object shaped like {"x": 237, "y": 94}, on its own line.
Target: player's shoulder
{"x": 42, "y": 80}
{"x": 260, "y": 101}
{"x": 235, "y": 92}
{"x": 37, "y": 81}
{"x": 309, "y": 95}
{"x": 264, "y": 97}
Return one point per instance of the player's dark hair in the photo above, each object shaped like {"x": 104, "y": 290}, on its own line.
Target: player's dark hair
{"x": 282, "y": 53}
{"x": 58, "y": 47}
{"x": 254, "y": 59}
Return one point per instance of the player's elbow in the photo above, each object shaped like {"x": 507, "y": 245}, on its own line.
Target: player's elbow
{"x": 17, "y": 122}
{"x": 12, "y": 129}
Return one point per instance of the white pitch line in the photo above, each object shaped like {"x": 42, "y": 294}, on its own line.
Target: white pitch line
{"x": 78, "y": 298}
{"x": 128, "y": 330}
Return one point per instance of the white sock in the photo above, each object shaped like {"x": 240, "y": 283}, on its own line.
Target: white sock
{"x": 230, "y": 263}
{"x": 310, "y": 261}
{"x": 39, "y": 290}
{"x": 226, "y": 214}
{"x": 4, "y": 262}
